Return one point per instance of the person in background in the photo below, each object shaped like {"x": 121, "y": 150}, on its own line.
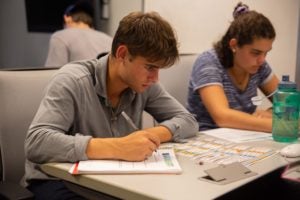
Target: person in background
{"x": 93, "y": 109}
{"x": 225, "y": 78}
{"x": 78, "y": 40}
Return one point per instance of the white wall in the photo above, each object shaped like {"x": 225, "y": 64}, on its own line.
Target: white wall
{"x": 120, "y": 8}
{"x": 199, "y": 23}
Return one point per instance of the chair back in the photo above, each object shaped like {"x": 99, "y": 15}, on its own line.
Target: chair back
{"x": 176, "y": 79}
{"x": 21, "y": 91}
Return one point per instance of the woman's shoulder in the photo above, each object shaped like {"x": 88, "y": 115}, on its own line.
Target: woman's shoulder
{"x": 210, "y": 53}
{"x": 208, "y": 58}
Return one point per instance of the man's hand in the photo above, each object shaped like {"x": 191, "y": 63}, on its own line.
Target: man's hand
{"x": 137, "y": 146}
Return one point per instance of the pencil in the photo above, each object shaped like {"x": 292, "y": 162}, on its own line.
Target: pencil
{"x": 130, "y": 122}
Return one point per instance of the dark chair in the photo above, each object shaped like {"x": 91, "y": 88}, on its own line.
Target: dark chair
{"x": 102, "y": 54}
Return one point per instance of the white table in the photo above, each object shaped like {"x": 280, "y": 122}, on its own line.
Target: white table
{"x": 165, "y": 186}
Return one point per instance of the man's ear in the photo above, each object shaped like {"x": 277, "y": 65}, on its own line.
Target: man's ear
{"x": 68, "y": 20}
{"x": 121, "y": 52}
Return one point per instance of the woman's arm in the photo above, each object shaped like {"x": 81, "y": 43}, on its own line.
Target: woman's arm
{"x": 270, "y": 86}
{"x": 216, "y": 103}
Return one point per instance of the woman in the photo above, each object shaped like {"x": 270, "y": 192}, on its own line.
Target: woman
{"x": 225, "y": 78}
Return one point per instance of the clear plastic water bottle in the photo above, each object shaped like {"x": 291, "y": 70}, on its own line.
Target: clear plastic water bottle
{"x": 286, "y": 102}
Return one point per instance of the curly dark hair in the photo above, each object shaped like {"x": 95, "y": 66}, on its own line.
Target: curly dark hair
{"x": 245, "y": 28}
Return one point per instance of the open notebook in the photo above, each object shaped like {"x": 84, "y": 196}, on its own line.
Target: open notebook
{"x": 163, "y": 161}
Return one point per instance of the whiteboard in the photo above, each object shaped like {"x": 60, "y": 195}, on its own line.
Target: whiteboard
{"x": 200, "y": 23}
{"x": 196, "y": 28}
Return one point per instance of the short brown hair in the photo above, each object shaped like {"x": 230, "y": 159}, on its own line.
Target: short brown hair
{"x": 81, "y": 11}
{"x": 147, "y": 35}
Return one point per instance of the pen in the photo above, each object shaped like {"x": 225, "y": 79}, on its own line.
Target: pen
{"x": 129, "y": 121}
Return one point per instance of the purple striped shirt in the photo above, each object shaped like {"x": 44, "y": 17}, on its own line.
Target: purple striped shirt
{"x": 208, "y": 70}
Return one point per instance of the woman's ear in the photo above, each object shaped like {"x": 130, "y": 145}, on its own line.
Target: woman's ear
{"x": 233, "y": 44}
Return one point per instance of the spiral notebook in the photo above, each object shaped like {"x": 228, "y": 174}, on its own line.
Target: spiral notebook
{"x": 163, "y": 161}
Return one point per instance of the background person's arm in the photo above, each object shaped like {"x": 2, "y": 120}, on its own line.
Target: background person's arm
{"x": 57, "y": 53}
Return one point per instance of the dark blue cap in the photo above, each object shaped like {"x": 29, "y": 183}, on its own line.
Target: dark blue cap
{"x": 80, "y": 6}
{"x": 286, "y": 83}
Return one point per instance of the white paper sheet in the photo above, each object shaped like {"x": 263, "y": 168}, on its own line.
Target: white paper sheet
{"x": 237, "y": 135}
{"x": 161, "y": 161}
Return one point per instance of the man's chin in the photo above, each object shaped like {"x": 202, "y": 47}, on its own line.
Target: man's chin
{"x": 141, "y": 89}
{"x": 138, "y": 90}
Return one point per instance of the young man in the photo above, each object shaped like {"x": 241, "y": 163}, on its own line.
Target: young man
{"x": 84, "y": 114}
{"x": 78, "y": 40}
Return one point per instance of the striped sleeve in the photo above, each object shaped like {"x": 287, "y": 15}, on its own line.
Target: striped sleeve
{"x": 206, "y": 71}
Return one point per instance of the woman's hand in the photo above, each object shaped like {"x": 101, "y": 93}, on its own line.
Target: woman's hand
{"x": 263, "y": 113}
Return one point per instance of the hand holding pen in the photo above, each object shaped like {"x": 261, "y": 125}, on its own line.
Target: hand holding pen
{"x": 150, "y": 137}
{"x": 136, "y": 146}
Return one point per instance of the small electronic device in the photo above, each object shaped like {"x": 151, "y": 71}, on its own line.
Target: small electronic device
{"x": 291, "y": 151}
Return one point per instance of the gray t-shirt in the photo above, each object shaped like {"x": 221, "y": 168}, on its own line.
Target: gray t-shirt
{"x": 72, "y": 44}
{"x": 75, "y": 108}
{"x": 207, "y": 70}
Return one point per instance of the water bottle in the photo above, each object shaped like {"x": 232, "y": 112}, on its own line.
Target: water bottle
{"x": 285, "y": 126}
